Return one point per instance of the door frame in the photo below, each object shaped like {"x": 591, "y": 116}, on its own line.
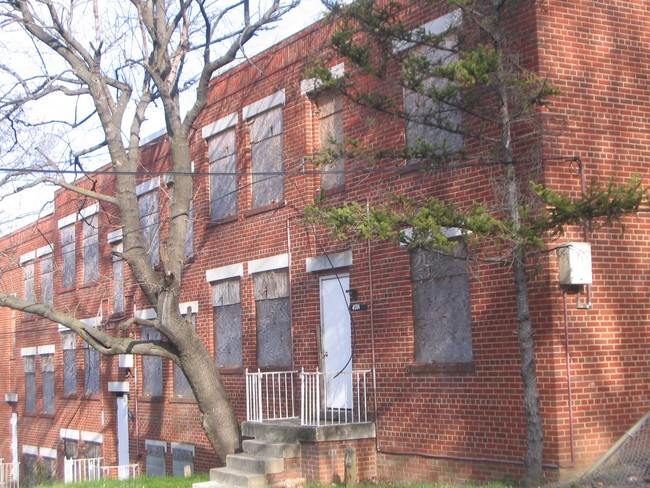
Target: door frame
{"x": 332, "y": 395}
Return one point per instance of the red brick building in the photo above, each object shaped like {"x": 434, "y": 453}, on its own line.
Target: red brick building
{"x": 269, "y": 291}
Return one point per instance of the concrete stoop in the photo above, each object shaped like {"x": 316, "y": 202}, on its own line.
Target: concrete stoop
{"x": 261, "y": 464}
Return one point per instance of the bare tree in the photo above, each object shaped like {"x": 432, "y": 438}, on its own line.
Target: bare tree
{"x": 113, "y": 61}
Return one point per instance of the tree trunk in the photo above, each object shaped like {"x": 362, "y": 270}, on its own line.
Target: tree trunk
{"x": 217, "y": 415}
{"x": 533, "y": 475}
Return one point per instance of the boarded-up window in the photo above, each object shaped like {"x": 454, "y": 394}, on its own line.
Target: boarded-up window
{"x": 226, "y": 298}
{"x": 69, "y": 346}
{"x": 91, "y": 370}
{"x": 152, "y": 379}
{"x": 183, "y": 460}
{"x": 441, "y": 306}
{"x": 68, "y": 259}
{"x": 70, "y": 448}
{"x": 92, "y": 450}
{"x": 90, "y": 248}
{"x": 47, "y": 279}
{"x": 432, "y": 116}
{"x": 118, "y": 279}
{"x": 267, "y": 158}
{"x": 30, "y": 383}
{"x": 47, "y": 470}
{"x": 182, "y": 387}
{"x": 150, "y": 224}
{"x": 29, "y": 470}
{"x": 155, "y": 458}
{"x": 222, "y": 153}
{"x": 274, "y": 348}
{"x": 47, "y": 371}
{"x": 330, "y": 112}
{"x": 28, "y": 269}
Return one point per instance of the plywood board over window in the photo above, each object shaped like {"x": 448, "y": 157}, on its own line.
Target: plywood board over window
{"x": 441, "y": 306}
{"x": 330, "y": 125}
{"x": 272, "y": 306}
{"x": 47, "y": 372}
{"x": 266, "y": 135}
{"x": 69, "y": 346}
{"x": 68, "y": 258}
{"x": 226, "y": 298}
{"x": 30, "y": 383}
{"x": 91, "y": 370}
{"x": 150, "y": 218}
{"x": 152, "y": 382}
{"x": 222, "y": 154}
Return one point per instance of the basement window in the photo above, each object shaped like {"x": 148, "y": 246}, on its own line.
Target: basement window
{"x": 155, "y": 457}
{"x": 183, "y": 460}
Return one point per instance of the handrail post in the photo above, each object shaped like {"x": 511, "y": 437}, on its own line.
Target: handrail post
{"x": 259, "y": 395}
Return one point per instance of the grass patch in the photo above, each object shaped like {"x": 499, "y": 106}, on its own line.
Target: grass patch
{"x": 177, "y": 482}
{"x": 139, "y": 482}
{"x": 411, "y": 485}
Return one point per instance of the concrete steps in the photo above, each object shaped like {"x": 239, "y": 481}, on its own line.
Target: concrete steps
{"x": 261, "y": 462}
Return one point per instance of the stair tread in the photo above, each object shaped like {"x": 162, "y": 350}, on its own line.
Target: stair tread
{"x": 237, "y": 472}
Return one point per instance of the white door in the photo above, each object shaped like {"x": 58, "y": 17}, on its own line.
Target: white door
{"x": 123, "y": 436}
{"x": 336, "y": 340}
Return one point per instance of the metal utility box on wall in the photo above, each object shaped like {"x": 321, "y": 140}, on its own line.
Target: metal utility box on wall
{"x": 575, "y": 263}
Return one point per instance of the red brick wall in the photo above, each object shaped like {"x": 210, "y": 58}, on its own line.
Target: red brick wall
{"x": 324, "y": 462}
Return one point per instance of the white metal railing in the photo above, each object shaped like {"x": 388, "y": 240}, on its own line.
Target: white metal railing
{"x": 334, "y": 398}
{"x": 325, "y": 398}
{"x": 270, "y": 395}
{"x": 88, "y": 469}
{"x": 91, "y": 469}
{"x": 122, "y": 472}
{"x": 9, "y": 477}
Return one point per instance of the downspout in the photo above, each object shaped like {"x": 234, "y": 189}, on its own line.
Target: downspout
{"x": 135, "y": 398}
{"x": 290, "y": 289}
{"x": 372, "y": 345}
{"x": 585, "y": 228}
{"x": 567, "y": 353}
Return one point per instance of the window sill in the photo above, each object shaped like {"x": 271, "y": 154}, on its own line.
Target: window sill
{"x": 265, "y": 208}
{"x": 418, "y": 368}
{"x": 228, "y": 370}
{"x": 225, "y": 220}
{"x": 330, "y": 192}
{"x": 411, "y": 167}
